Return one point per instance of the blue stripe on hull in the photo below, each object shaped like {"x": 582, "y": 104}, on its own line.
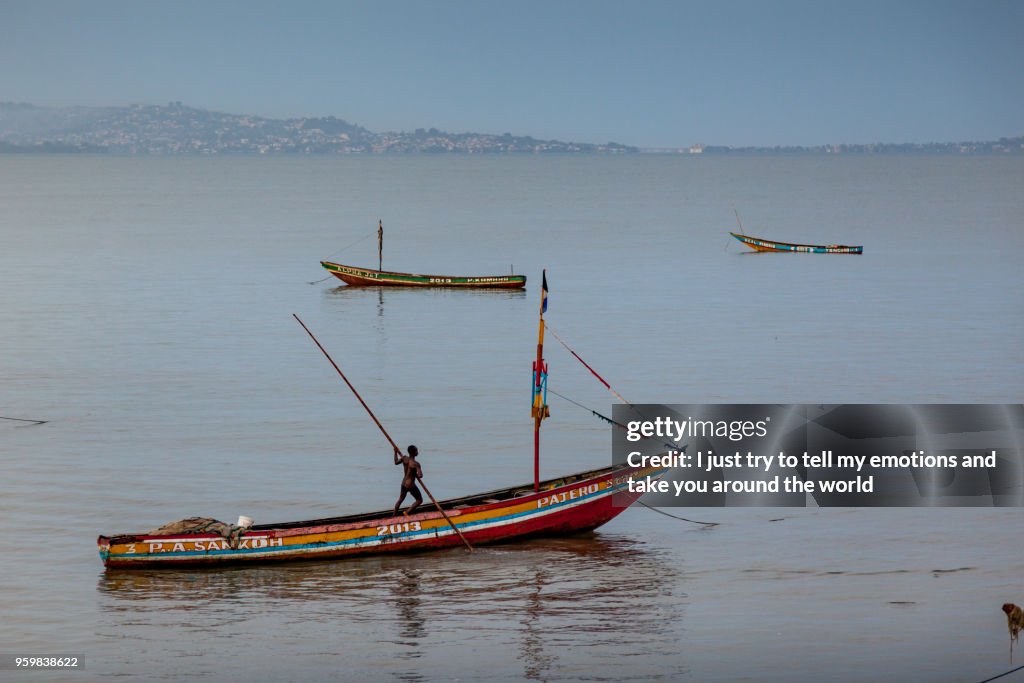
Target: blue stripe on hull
{"x": 799, "y": 248}
{"x": 375, "y": 540}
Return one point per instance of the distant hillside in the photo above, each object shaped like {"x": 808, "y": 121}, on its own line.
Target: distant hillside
{"x": 177, "y": 129}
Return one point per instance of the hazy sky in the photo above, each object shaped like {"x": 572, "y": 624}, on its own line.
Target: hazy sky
{"x": 652, "y": 73}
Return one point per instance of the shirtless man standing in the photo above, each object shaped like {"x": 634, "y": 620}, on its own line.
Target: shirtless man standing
{"x": 413, "y": 471}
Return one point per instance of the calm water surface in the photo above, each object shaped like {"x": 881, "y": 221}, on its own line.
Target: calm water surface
{"x": 146, "y": 314}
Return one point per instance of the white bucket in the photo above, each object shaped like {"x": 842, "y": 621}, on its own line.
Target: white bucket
{"x": 244, "y": 522}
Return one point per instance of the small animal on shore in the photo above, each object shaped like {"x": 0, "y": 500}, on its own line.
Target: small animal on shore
{"x": 1014, "y": 620}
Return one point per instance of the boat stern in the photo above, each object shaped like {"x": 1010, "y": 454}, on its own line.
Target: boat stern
{"x": 103, "y": 545}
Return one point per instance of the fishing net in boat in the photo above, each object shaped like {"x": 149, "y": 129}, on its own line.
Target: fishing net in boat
{"x": 197, "y": 525}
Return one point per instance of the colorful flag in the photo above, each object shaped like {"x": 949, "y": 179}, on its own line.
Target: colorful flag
{"x": 544, "y": 293}
{"x": 540, "y": 392}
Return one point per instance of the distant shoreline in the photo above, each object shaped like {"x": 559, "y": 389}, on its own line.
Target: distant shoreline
{"x": 56, "y": 149}
{"x": 178, "y": 130}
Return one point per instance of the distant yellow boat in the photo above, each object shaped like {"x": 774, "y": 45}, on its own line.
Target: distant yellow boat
{"x": 759, "y": 244}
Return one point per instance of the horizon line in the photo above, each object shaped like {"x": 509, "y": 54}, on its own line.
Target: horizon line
{"x": 645, "y": 149}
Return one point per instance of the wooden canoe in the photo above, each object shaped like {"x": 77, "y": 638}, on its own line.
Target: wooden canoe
{"x": 758, "y": 244}
{"x": 566, "y": 505}
{"x": 384, "y": 278}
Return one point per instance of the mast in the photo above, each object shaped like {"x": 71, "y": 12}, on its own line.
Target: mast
{"x": 738, "y": 222}
{"x": 380, "y": 243}
{"x": 539, "y": 410}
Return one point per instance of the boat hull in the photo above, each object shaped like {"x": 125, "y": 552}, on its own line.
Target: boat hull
{"x": 566, "y": 505}
{"x": 758, "y": 244}
{"x": 365, "y": 277}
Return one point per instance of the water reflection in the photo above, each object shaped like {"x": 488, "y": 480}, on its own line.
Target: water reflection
{"x": 535, "y": 660}
{"x": 535, "y": 610}
{"x": 383, "y": 293}
{"x": 407, "y": 599}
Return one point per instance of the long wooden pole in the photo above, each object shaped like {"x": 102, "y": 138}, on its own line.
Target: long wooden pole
{"x": 538, "y": 408}
{"x": 381, "y": 427}
{"x": 538, "y": 401}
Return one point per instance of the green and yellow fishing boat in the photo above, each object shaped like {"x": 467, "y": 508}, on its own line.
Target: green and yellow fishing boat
{"x": 364, "y": 277}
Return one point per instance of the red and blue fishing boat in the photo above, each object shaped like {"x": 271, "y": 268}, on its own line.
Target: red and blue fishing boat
{"x": 759, "y": 244}
{"x": 564, "y": 505}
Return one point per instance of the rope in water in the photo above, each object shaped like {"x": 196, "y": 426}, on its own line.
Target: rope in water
{"x": 1007, "y": 673}
{"x": 21, "y": 419}
{"x": 684, "y": 519}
